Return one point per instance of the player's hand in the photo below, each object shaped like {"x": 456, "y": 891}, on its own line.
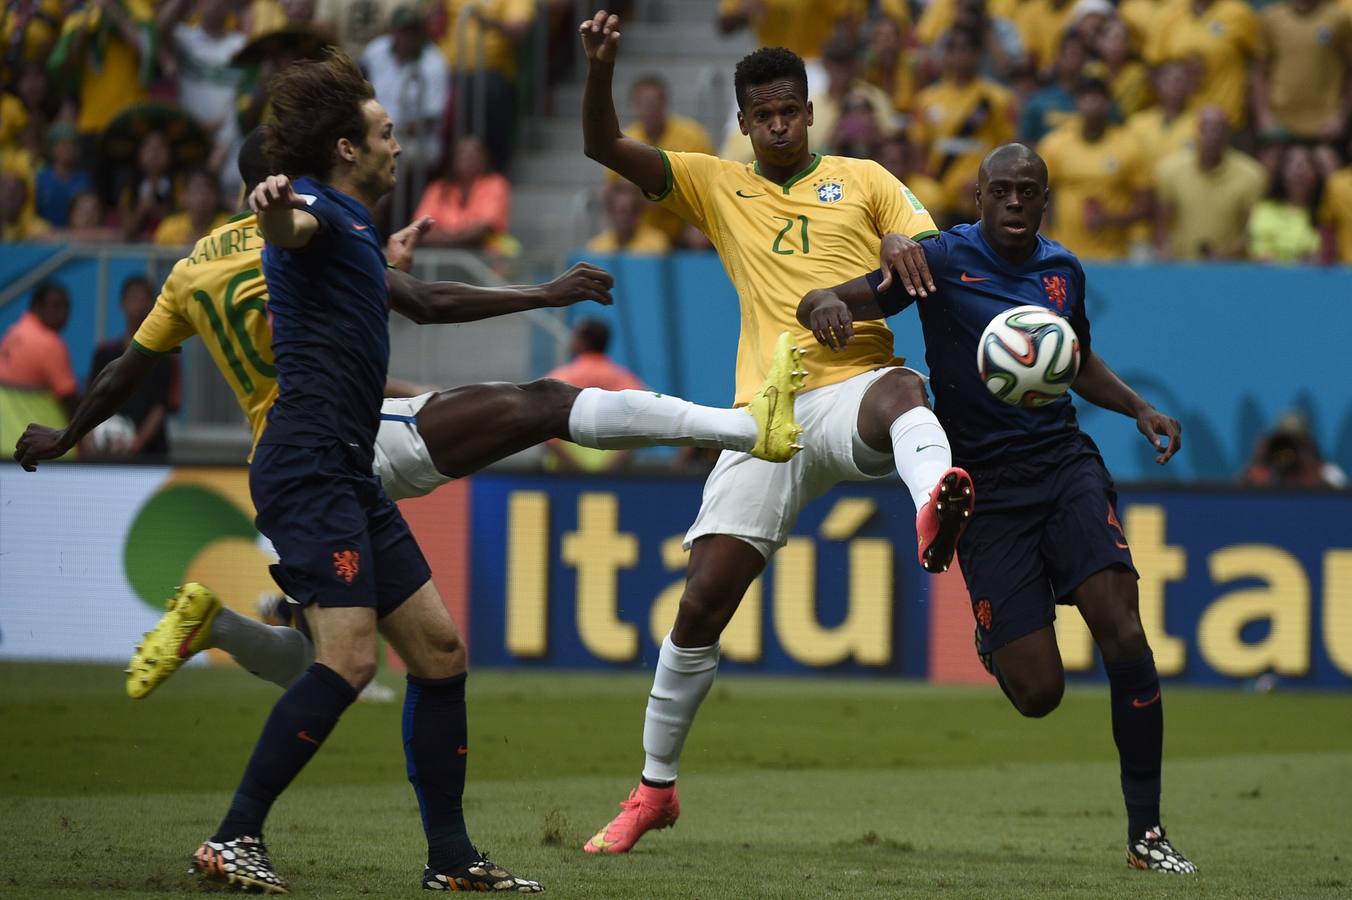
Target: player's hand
{"x": 906, "y": 258}
{"x": 275, "y": 191}
{"x": 399, "y": 248}
{"x": 600, "y": 37}
{"x": 37, "y": 443}
{"x": 830, "y": 319}
{"x": 1154, "y": 424}
{"x": 583, "y": 281}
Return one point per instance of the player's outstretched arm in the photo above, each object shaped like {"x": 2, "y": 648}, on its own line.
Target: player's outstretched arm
{"x": 445, "y": 302}
{"x": 602, "y": 139}
{"x": 1100, "y": 386}
{"x": 111, "y": 389}
{"x": 282, "y": 218}
{"x": 829, "y": 313}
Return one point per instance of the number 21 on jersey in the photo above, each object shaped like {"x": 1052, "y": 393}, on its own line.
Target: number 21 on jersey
{"x": 792, "y": 238}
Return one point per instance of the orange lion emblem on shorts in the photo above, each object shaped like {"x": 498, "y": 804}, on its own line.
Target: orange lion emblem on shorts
{"x": 346, "y": 563}
{"x": 983, "y": 613}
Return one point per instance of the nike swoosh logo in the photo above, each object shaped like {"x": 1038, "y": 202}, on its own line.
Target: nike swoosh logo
{"x": 927, "y": 446}
{"x": 364, "y": 227}
{"x": 970, "y": 279}
{"x": 183, "y": 652}
{"x": 305, "y": 736}
{"x": 748, "y": 196}
{"x": 462, "y": 750}
{"x": 1142, "y": 704}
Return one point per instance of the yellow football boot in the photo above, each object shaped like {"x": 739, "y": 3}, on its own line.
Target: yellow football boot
{"x": 779, "y": 437}
{"x": 178, "y": 636}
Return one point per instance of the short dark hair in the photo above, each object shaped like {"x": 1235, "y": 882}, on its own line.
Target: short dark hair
{"x": 135, "y": 281}
{"x": 315, "y": 103}
{"x": 766, "y": 65}
{"x": 43, "y": 289}
{"x": 652, "y": 80}
{"x": 593, "y": 334}
{"x": 253, "y": 161}
{"x": 975, "y": 38}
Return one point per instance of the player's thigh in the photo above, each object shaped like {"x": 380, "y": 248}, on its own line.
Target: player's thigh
{"x": 469, "y": 427}
{"x": 1001, "y": 560}
{"x": 1089, "y": 560}
{"x": 1033, "y": 672}
{"x": 425, "y": 636}
{"x": 345, "y": 640}
{"x": 399, "y": 568}
{"x": 892, "y": 395}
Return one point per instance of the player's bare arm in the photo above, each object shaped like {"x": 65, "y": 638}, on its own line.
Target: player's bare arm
{"x": 830, "y": 312}
{"x": 282, "y": 218}
{"x": 904, "y": 257}
{"x": 602, "y": 139}
{"x": 1101, "y": 386}
{"x": 445, "y": 302}
{"x": 112, "y": 388}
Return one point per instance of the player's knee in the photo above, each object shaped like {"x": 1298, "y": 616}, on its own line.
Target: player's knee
{"x": 702, "y": 613}
{"x": 355, "y": 668}
{"x": 1039, "y": 700}
{"x": 906, "y": 388}
{"x": 1125, "y": 639}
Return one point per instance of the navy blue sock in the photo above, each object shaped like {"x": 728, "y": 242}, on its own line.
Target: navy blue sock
{"x": 436, "y": 743}
{"x": 299, "y": 723}
{"x": 1138, "y": 731}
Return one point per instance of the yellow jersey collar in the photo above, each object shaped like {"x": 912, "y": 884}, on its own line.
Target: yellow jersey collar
{"x": 811, "y": 167}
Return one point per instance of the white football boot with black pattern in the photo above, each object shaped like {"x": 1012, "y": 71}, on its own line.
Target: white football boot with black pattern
{"x": 478, "y": 875}
{"x": 1153, "y": 852}
{"x": 242, "y": 863}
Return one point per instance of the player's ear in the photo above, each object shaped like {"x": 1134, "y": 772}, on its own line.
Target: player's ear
{"x": 741, "y": 122}
{"x": 346, "y": 151}
{"x": 808, "y": 107}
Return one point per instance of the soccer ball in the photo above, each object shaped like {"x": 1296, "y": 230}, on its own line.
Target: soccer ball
{"x": 1028, "y": 356}
{"x": 114, "y": 437}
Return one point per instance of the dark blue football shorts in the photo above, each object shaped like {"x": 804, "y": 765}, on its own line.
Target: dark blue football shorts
{"x": 340, "y": 540}
{"x": 1044, "y": 523}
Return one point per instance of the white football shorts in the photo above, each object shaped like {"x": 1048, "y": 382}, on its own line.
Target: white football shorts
{"x": 759, "y": 501}
{"x": 402, "y": 462}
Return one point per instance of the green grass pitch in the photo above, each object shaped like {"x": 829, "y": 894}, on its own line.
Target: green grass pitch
{"x": 790, "y": 788}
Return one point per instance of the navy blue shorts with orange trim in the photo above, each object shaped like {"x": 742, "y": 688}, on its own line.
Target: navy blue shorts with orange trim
{"x": 1044, "y": 523}
{"x": 339, "y": 539}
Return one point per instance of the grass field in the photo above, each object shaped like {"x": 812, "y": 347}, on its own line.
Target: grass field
{"x": 790, "y": 788}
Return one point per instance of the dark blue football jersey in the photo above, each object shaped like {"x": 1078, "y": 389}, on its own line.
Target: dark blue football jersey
{"x": 974, "y": 285}
{"x": 329, "y": 306}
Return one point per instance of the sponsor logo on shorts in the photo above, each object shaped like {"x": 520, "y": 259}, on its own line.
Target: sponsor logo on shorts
{"x": 983, "y": 613}
{"x": 346, "y": 564}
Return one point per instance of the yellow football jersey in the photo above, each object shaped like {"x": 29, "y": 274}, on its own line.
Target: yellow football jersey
{"x": 821, "y": 228}
{"x": 218, "y": 291}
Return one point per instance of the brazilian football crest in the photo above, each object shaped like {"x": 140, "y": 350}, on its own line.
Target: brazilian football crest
{"x": 830, "y": 192}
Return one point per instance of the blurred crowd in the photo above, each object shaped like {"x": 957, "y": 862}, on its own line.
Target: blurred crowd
{"x": 1174, "y": 129}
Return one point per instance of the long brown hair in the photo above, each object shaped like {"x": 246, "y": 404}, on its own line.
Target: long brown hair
{"x": 315, "y": 103}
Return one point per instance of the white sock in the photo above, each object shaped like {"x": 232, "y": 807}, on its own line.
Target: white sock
{"x": 615, "y": 420}
{"x": 272, "y": 652}
{"x": 684, "y": 676}
{"x": 920, "y": 448}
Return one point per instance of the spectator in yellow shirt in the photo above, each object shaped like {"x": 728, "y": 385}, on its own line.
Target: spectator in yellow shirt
{"x": 1335, "y": 211}
{"x": 655, "y": 125}
{"x": 959, "y": 120}
{"x": 18, "y": 220}
{"x": 1126, "y": 75}
{"x": 626, "y": 231}
{"x": 1042, "y": 24}
{"x": 1301, "y": 85}
{"x": 201, "y": 211}
{"x": 887, "y": 65}
{"x": 1221, "y": 38}
{"x": 1099, "y": 178}
{"x": 106, "y": 50}
{"x": 491, "y": 33}
{"x": 1204, "y": 196}
{"x": 1168, "y": 126}
{"x": 803, "y": 26}
{"x": 1282, "y": 228}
